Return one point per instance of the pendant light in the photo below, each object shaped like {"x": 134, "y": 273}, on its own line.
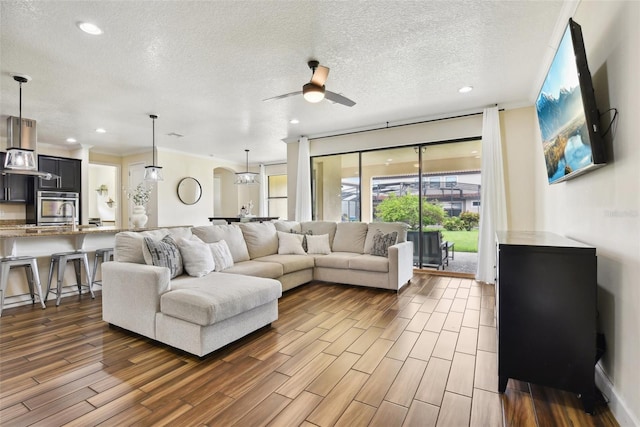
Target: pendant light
{"x": 153, "y": 172}
{"x": 246, "y": 177}
{"x": 19, "y": 158}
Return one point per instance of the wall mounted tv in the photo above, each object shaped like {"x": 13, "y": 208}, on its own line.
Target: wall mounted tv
{"x": 567, "y": 113}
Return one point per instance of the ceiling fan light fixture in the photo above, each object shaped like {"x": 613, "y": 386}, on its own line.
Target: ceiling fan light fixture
{"x": 313, "y": 93}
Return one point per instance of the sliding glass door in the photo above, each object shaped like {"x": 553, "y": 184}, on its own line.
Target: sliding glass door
{"x": 434, "y": 189}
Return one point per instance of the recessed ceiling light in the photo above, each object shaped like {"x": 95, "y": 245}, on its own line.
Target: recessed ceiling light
{"x": 388, "y": 160}
{"x": 294, "y": 121}
{"x": 465, "y": 89}
{"x": 415, "y": 165}
{"x": 90, "y": 28}
{"x": 474, "y": 152}
{"x": 71, "y": 140}
{"x": 101, "y": 130}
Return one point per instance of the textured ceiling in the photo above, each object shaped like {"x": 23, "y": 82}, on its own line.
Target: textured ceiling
{"x": 204, "y": 67}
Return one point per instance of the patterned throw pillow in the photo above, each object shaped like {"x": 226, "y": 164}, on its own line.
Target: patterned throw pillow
{"x": 221, "y": 255}
{"x": 381, "y": 243}
{"x": 164, "y": 253}
{"x": 304, "y": 240}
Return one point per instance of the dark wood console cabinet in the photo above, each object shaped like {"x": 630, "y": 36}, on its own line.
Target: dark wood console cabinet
{"x": 546, "y": 312}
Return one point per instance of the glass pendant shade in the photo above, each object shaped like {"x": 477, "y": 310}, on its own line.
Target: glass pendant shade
{"x": 246, "y": 177}
{"x": 20, "y": 158}
{"x": 153, "y": 172}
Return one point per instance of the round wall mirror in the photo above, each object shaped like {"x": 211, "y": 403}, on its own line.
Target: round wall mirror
{"x": 189, "y": 191}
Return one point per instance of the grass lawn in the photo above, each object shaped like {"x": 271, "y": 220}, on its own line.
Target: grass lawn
{"x": 466, "y": 241}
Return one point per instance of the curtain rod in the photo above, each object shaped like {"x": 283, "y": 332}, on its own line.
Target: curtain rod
{"x": 395, "y": 126}
{"x": 401, "y": 125}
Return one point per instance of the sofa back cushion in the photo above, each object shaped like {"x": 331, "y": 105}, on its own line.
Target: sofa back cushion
{"x": 261, "y": 238}
{"x": 288, "y": 226}
{"x": 229, "y": 233}
{"x": 350, "y": 237}
{"x": 128, "y": 245}
{"x": 317, "y": 228}
{"x": 386, "y": 228}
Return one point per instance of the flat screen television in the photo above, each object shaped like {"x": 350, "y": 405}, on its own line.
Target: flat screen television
{"x": 567, "y": 114}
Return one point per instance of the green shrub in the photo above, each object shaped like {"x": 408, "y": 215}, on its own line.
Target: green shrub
{"x": 470, "y": 220}
{"x": 453, "y": 224}
{"x": 405, "y": 209}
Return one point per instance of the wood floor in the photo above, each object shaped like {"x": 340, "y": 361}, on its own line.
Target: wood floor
{"x": 338, "y": 355}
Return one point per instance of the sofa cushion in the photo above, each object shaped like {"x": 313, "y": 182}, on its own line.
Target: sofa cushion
{"x": 386, "y": 228}
{"x": 290, "y": 244}
{"x": 320, "y": 227}
{"x": 229, "y": 233}
{"x": 368, "y": 262}
{"x": 128, "y": 245}
{"x": 180, "y": 233}
{"x": 350, "y": 237}
{"x": 163, "y": 253}
{"x": 318, "y": 244}
{"x": 381, "y": 243}
{"x": 222, "y": 258}
{"x": 261, "y": 238}
{"x": 269, "y": 270}
{"x": 335, "y": 259}
{"x": 290, "y": 263}
{"x": 197, "y": 258}
{"x": 287, "y": 226}
{"x": 216, "y": 297}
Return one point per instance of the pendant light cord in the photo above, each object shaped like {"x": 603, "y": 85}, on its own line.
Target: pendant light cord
{"x": 153, "y": 140}
{"x": 20, "y": 119}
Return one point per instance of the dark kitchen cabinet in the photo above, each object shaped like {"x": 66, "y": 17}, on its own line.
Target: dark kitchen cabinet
{"x": 546, "y": 312}
{"x": 13, "y": 188}
{"x": 68, "y": 171}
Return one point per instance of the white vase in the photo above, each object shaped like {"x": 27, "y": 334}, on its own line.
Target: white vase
{"x": 139, "y": 217}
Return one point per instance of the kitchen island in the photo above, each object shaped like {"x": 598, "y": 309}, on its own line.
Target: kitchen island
{"x": 41, "y": 242}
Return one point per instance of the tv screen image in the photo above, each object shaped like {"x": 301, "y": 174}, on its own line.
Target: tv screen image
{"x": 567, "y": 112}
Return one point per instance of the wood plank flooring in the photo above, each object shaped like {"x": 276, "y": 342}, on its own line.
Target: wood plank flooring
{"x": 338, "y": 355}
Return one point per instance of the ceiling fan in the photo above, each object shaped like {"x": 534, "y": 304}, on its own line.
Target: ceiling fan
{"x": 314, "y": 91}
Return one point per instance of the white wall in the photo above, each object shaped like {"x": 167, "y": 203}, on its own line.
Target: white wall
{"x": 602, "y": 208}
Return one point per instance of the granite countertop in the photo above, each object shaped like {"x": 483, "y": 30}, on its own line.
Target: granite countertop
{"x": 26, "y": 231}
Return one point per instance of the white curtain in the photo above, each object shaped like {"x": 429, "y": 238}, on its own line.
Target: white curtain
{"x": 493, "y": 208}
{"x": 263, "y": 210}
{"x": 303, "y": 183}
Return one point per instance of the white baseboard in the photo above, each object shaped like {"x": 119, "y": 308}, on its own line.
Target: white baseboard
{"x": 616, "y": 404}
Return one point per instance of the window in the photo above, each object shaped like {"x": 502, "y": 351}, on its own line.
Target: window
{"x": 434, "y": 182}
{"x": 277, "y": 196}
{"x": 451, "y": 181}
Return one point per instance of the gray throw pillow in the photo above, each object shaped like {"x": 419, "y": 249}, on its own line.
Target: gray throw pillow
{"x": 381, "y": 243}
{"x": 165, "y": 253}
{"x": 304, "y": 240}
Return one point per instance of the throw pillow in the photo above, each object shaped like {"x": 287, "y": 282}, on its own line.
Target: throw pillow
{"x": 221, "y": 255}
{"x": 163, "y": 253}
{"x": 381, "y": 243}
{"x": 196, "y": 257}
{"x": 290, "y": 244}
{"x": 318, "y": 244}
{"x": 304, "y": 236}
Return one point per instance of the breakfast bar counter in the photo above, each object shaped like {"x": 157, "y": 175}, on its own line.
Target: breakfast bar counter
{"x": 42, "y": 242}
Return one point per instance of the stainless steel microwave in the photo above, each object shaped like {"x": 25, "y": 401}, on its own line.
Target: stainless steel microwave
{"x": 56, "y": 208}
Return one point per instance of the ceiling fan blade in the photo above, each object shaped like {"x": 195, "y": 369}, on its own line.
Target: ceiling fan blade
{"x": 286, "y": 95}
{"x": 320, "y": 75}
{"x": 332, "y": 96}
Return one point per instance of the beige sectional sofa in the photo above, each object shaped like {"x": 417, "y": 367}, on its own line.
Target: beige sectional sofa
{"x": 202, "y": 314}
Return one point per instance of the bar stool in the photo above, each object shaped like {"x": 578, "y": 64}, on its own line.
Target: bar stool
{"x": 104, "y": 255}
{"x": 61, "y": 259}
{"x": 31, "y": 270}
